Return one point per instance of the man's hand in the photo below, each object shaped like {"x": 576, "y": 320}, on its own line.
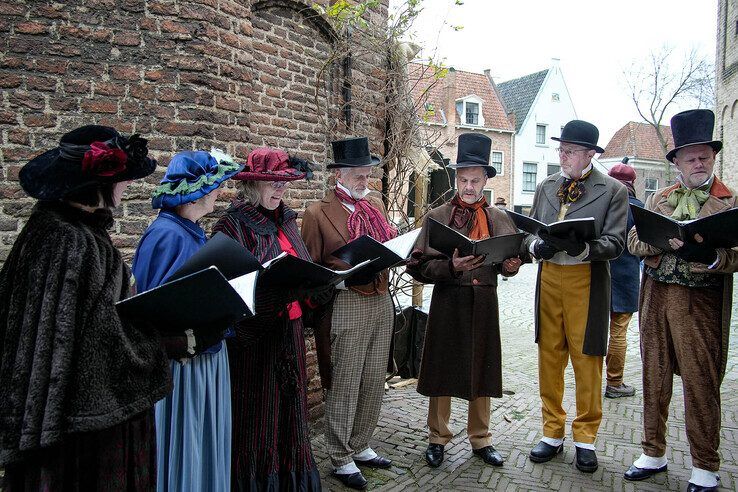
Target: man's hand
{"x": 571, "y": 245}
{"x": 544, "y": 250}
{"x": 693, "y": 252}
{"x": 511, "y": 265}
{"x": 465, "y": 263}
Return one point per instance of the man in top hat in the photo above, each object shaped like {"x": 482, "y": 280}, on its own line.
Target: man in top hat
{"x": 686, "y": 306}
{"x": 462, "y": 354}
{"x": 625, "y": 272}
{"x": 573, "y": 290}
{"x": 362, "y": 317}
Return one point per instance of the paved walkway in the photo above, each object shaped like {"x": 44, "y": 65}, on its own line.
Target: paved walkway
{"x": 516, "y": 426}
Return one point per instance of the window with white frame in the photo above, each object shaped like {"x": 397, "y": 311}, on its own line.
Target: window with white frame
{"x": 488, "y": 194}
{"x": 540, "y": 134}
{"x": 470, "y": 111}
{"x": 530, "y": 172}
{"x": 650, "y": 185}
{"x": 496, "y": 161}
{"x": 552, "y": 169}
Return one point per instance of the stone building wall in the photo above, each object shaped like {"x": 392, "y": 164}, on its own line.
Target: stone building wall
{"x": 726, "y": 114}
{"x": 233, "y": 74}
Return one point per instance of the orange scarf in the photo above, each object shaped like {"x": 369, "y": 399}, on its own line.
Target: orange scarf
{"x": 465, "y": 213}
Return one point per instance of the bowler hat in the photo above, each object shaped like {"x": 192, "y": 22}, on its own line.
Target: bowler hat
{"x": 473, "y": 151}
{"x": 352, "y": 152}
{"x": 693, "y": 127}
{"x": 581, "y": 133}
{"x": 191, "y": 175}
{"x": 88, "y": 155}
{"x": 270, "y": 164}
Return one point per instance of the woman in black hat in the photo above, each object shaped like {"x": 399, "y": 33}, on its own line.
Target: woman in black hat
{"x": 77, "y": 383}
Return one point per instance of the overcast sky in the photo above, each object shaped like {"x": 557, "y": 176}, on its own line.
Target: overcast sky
{"x": 595, "y": 40}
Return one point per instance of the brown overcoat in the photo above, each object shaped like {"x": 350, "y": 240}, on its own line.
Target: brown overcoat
{"x": 462, "y": 356}
{"x": 721, "y": 198}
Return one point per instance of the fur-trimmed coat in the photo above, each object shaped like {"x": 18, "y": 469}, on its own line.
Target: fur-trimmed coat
{"x": 69, "y": 363}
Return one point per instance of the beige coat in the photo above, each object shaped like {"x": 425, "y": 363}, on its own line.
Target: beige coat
{"x": 721, "y": 198}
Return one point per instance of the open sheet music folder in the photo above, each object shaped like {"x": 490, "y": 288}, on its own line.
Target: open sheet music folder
{"x": 584, "y": 227}
{"x": 386, "y": 255}
{"x": 495, "y": 249}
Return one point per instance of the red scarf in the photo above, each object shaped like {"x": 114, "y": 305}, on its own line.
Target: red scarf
{"x": 366, "y": 219}
{"x": 464, "y": 213}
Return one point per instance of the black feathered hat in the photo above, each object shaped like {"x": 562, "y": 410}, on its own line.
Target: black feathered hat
{"x": 88, "y": 155}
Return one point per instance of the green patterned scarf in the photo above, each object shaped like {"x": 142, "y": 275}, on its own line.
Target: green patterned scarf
{"x": 687, "y": 202}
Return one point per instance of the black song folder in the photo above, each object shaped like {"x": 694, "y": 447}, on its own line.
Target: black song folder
{"x": 584, "y": 228}
{"x": 495, "y": 249}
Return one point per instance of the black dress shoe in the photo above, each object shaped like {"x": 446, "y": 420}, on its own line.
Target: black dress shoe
{"x": 434, "y": 455}
{"x": 352, "y": 480}
{"x": 544, "y": 452}
{"x": 634, "y": 473}
{"x": 586, "y": 460}
{"x": 376, "y": 462}
{"x": 489, "y": 455}
{"x": 698, "y": 488}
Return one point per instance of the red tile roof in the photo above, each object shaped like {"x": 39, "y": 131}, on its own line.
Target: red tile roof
{"x": 638, "y": 140}
{"x": 422, "y": 82}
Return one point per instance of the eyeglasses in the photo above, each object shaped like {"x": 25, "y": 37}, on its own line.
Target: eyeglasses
{"x": 569, "y": 152}
{"x": 278, "y": 185}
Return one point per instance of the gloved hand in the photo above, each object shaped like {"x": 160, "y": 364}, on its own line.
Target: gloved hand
{"x": 697, "y": 253}
{"x": 543, "y": 250}
{"x": 571, "y": 244}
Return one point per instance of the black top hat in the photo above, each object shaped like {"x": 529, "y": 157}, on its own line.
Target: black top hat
{"x": 581, "y": 133}
{"x": 693, "y": 127}
{"x": 352, "y": 152}
{"x": 473, "y": 151}
{"x": 88, "y": 155}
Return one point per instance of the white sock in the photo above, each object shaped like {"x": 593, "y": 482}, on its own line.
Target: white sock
{"x": 552, "y": 441}
{"x": 649, "y": 462}
{"x": 585, "y": 445}
{"x": 704, "y": 478}
{"x": 367, "y": 454}
{"x": 347, "y": 469}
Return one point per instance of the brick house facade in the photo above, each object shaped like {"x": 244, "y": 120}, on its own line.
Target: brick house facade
{"x": 186, "y": 75}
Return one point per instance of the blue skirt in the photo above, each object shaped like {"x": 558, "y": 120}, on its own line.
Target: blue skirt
{"x": 193, "y": 426}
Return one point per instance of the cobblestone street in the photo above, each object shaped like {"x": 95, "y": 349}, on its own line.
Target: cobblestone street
{"x": 516, "y": 425}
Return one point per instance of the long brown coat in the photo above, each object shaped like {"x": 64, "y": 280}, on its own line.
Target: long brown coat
{"x": 721, "y": 199}
{"x": 606, "y": 200}
{"x": 462, "y": 356}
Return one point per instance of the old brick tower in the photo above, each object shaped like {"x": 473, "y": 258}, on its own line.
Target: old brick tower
{"x": 186, "y": 74}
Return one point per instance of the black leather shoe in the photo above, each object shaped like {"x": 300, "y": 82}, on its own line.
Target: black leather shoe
{"x": 352, "y": 480}
{"x": 376, "y": 462}
{"x": 698, "y": 488}
{"x": 586, "y": 460}
{"x": 489, "y": 455}
{"x": 434, "y": 455}
{"x": 544, "y": 452}
{"x": 634, "y": 473}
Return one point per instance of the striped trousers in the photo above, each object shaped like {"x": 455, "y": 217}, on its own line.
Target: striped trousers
{"x": 361, "y": 331}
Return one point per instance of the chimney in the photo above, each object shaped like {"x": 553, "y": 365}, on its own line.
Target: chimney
{"x": 450, "y": 86}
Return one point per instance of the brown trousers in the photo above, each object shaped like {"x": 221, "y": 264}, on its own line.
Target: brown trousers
{"x": 477, "y": 421}
{"x": 680, "y": 328}
{"x": 616, "y": 347}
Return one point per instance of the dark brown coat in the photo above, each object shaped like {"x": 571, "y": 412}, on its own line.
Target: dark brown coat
{"x": 462, "y": 356}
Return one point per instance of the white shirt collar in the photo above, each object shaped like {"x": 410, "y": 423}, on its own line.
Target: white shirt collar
{"x": 584, "y": 171}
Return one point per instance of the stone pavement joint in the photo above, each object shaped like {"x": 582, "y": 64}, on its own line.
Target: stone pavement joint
{"x": 515, "y": 424}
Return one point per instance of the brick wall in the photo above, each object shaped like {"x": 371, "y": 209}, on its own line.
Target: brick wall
{"x": 726, "y": 127}
{"x": 186, "y": 75}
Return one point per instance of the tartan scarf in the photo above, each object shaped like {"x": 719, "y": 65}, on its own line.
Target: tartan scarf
{"x": 571, "y": 189}
{"x": 366, "y": 219}
{"x": 471, "y": 214}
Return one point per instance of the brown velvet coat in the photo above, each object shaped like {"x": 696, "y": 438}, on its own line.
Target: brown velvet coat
{"x": 462, "y": 356}
{"x": 605, "y": 199}
{"x": 721, "y": 199}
